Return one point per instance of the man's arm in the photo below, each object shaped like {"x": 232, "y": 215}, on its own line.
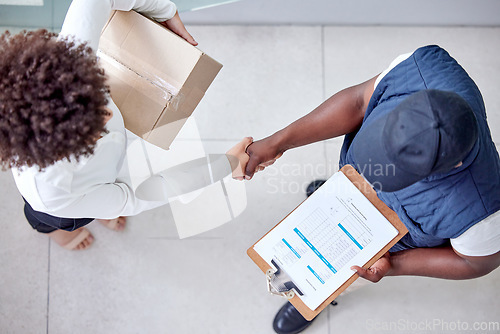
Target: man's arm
{"x": 441, "y": 262}
{"x": 342, "y": 113}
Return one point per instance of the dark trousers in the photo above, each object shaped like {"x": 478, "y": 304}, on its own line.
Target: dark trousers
{"x": 45, "y": 223}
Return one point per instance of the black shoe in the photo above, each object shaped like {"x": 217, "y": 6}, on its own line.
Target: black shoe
{"x": 313, "y": 186}
{"x": 289, "y": 321}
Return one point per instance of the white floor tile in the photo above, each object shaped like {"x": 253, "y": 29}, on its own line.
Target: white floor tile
{"x": 205, "y": 284}
{"x": 271, "y": 77}
{"x": 333, "y": 153}
{"x": 24, "y": 266}
{"x": 356, "y": 54}
{"x": 146, "y": 280}
{"x": 418, "y": 305}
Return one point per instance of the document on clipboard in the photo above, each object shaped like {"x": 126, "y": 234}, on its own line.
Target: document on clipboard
{"x": 311, "y": 251}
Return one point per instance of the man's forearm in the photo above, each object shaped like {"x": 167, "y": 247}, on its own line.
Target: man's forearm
{"x": 440, "y": 262}
{"x": 342, "y": 113}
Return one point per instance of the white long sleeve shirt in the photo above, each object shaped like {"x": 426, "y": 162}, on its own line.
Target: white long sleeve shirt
{"x": 96, "y": 186}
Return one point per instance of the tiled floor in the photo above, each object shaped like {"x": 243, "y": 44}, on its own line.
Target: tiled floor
{"x": 146, "y": 280}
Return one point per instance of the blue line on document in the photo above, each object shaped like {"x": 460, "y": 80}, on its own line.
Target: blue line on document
{"x": 322, "y": 258}
{"x": 350, "y": 236}
{"x": 291, "y": 248}
{"x": 317, "y": 276}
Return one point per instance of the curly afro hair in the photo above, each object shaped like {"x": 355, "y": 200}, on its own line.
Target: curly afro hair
{"x": 52, "y": 95}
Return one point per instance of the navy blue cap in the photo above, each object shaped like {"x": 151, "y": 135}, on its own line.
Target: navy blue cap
{"x": 430, "y": 132}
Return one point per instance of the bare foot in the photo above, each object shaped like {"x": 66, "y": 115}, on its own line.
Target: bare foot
{"x": 117, "y": 224}
{"x": 78, "y": 239}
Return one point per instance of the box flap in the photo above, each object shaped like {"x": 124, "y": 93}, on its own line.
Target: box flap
{"x": 156, "y": 78}
{"x": 192, "y": 92}
{"x": 130, "y": 37}
{"x": 140, "y": 101}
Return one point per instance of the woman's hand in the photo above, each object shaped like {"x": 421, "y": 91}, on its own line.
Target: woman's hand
{"x": 238, "y": 158}
{"x": 175, "y": 25}
{"x": 248, "y": 157}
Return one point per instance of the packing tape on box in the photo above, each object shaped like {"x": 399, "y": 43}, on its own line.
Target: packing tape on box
{"x": 171, "y": 92}
{"x": 175, "y": 101}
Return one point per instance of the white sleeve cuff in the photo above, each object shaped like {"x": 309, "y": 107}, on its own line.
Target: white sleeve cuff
{"x": 158, "y": 10}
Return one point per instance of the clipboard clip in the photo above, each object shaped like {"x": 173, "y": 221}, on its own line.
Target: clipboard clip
{"x": 280, "y": 284}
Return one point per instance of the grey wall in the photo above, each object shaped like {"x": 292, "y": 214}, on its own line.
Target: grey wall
{"x": 352, "y": 12}
{"x": 296, "y": 12}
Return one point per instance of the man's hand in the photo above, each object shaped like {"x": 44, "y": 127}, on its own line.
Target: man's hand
{"x": 377, "y": 271}
{"x": 262, "y": 154}
{"x": 439, "y": 262}
{"x": 175, "y": 25}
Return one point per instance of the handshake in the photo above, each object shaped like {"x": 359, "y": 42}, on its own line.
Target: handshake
{"x": 247, "y": 158}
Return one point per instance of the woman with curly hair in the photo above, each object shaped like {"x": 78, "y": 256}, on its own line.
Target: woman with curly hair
{"x": 61, "y": 134}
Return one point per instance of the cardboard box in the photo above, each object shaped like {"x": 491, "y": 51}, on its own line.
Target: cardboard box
{"x": 156, "y": 78}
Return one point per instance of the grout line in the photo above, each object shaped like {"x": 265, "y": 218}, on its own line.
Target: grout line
{"x": 323, "y": 86}
{"x": 146, "y": 155}
{"x": 228, "y": 202}
{"x": 323, "y": 77}
{"x": 186, "y": 239}
{"x": 328, "y": 319}
{"x": 48, "y": 287}
{"x": 325, "y": 156}
{"x": 52, "y": 15}
{"x": 209, "y": 139}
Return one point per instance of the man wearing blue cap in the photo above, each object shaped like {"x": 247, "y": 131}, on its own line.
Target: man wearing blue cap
{"x": 418, "y": 133}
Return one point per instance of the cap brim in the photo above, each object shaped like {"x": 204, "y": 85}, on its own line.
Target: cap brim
{"x": 373, "y": 162}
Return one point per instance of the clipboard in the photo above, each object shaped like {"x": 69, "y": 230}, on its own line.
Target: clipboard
{"x": 366, "y": 189}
